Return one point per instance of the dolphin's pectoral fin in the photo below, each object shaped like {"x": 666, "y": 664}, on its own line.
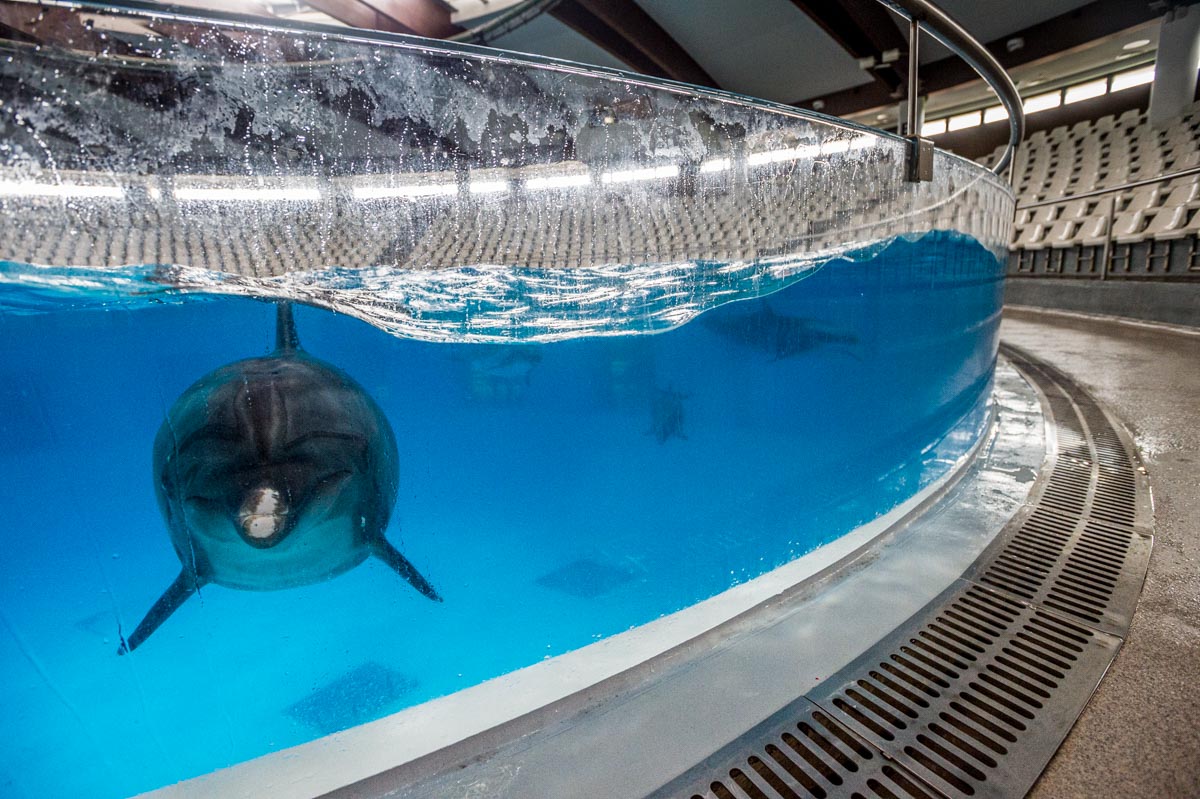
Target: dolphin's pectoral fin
{"x": 383, "y": 550}
{"x": 184, "y": 586}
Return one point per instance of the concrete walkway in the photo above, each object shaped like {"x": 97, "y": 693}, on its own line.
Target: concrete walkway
{"x": 1140, "y": 734}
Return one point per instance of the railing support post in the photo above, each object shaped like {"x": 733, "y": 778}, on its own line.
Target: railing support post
{"x": 943, "y": 28}
{"x": 914, "y": 89}
{"x": 1106, "y": 263}
{"x": 920, "y": 151}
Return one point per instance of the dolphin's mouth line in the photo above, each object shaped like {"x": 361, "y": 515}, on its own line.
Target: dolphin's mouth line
{"x": 263, "y": 531}
{"x": 260, "y": 526}
{"x": 266, "y": 516}
{"x": 262, "y": 543}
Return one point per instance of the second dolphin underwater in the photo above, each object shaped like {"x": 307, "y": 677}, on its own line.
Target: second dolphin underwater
{"x": 271, "y": 473}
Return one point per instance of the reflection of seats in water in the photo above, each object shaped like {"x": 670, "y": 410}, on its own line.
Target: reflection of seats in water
{"x": 800, "y": 209}
{"x": 500, "y": 372}
{"x": 547, "y": 234}
{"x": 779, "y": 216}
{"x": 226, "y": 243}
{"x": 263, "y": 168}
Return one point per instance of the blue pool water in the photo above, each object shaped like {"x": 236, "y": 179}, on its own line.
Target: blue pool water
{"x": 554, "y": 493}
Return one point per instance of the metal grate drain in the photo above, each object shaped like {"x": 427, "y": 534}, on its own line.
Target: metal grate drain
{"x": 802, "y": 753}
{"x": 1000, "y": 680}
{"x": 973, "y": 694}
{"x": 1083, "y": 548}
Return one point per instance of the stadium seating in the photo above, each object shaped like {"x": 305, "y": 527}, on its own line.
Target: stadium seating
{"x": 1145, "y": 231}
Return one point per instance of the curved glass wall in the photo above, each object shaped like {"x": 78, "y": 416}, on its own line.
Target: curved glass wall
{"x": 304, "y": 329}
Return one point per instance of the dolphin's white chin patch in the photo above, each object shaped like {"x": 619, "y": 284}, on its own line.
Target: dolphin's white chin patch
{"x": 261, "y": 526}
{"x": 262, "y": 514}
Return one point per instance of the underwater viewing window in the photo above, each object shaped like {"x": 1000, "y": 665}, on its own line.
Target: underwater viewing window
{"x": 347, "y": 371}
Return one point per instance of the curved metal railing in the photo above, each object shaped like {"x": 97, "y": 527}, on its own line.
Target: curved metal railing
{"x": 944, "y": 28}
{"x": 1132, "y": 184}
{"x": 920, "y": 13}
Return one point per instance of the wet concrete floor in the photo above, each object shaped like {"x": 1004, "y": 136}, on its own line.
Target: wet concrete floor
{"x": 1140, "y": 734}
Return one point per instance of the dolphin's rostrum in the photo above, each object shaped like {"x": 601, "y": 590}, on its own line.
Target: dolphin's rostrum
{"x": 271, "y": 473}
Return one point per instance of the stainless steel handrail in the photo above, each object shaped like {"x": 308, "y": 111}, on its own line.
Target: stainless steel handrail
{"x": 936, "y": 22}
{"x": 949, "y": 32}
{"x": 1133, "y": 184}
{"x": 1107, "y": 257}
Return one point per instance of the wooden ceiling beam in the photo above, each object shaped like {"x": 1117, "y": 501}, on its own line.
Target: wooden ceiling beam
{"x": 595, "y": 30}
{"x": 58, "y": 27}
{"x": 864, "y": 29}
{"x": 631, "y": 35}
{"x": 427, "y": 18}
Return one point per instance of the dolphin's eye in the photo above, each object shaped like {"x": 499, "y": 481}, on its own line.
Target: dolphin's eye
{"x": 358, "y": 443}
{"x": 325, "y": 435}
{"x": 329, "y": 483}
{"x": 334, "y": 478}
{"x": 202, "y": 502}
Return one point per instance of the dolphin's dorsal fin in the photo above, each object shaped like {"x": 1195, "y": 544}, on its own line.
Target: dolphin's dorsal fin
{"x": 286, "y": 339}
{"x": 176, "y": 594}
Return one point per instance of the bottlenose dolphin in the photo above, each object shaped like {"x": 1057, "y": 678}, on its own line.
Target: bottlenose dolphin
{"x": 272, "y": 473}
{"x": 778, "y": 335}
{"x": 666, "y": 415}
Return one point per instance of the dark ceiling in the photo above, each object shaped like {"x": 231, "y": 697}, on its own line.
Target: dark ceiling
{"x": 798, "y": 51}
{"x": 840, "y": 56}
{"x": 790, "y": 51}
